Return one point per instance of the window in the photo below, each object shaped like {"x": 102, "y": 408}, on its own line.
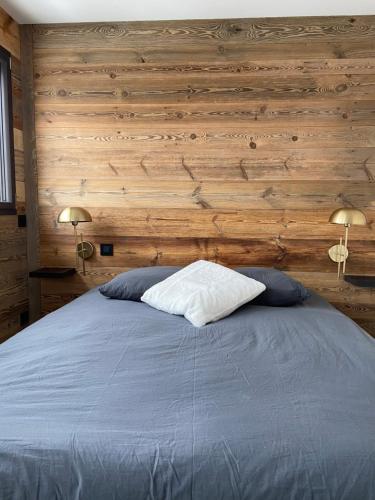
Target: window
{"x": 7, "y": 181}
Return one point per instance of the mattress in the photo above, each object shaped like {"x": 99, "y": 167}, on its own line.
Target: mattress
{"x": 107, "y": 399}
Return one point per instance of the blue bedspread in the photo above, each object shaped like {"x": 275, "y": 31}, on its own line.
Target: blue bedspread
{"x": 107, "y": 399}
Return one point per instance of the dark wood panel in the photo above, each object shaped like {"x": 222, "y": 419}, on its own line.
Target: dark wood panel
{"x": 17, "y": 96}
{"x": 326, "y": 284}
{"x": 368, "y": 326}
{"x": 31, "y": 173}
{"x": 13, "y": 303}
{"x": 13, "y": 255}
{"x": 9, "y": 327}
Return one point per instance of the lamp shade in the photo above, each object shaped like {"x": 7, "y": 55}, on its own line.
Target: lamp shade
{"x": 74, "y": 215}
{"x": 348, "y": 216}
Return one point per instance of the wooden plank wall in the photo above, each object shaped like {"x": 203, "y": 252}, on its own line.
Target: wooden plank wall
{"x": 13, "y": 261}
{"x": 229, "y": 140}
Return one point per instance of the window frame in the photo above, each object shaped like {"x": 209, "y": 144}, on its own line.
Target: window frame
{"x": 8, "y": 207}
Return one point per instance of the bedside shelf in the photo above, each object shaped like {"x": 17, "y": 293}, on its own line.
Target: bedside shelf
{"x": 52, "y": 272}
{"x": 360, "y": 280}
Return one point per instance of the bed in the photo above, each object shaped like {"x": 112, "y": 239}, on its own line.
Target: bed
{"x": 111, "y": 399}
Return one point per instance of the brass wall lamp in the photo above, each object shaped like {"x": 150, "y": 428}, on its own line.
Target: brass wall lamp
{"x": 83, "y": 249}
{"x": 347, "y": 217}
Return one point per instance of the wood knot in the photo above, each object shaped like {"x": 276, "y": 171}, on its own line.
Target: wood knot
{"x": 234, "y": 29}
{"x": 253, "y": 145}
{"x": 125, "y": 93}
{"x": 345, "y": 116}
{"x": 112, "y": 31}
{"x": 338, "y": 53}
{"x": 342, "y": 87}
{"x": 221, "y": 49}
{"x": 113, "y": 75}
{"x": 61, "y": 93}
{"x": 37, "y": 75}
{"x": 179, "y": 115}
{"x": 294, "y": 138}
{"x": 193, "y": 136}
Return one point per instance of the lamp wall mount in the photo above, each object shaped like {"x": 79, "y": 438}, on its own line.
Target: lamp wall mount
{"x": 347, "y": 217}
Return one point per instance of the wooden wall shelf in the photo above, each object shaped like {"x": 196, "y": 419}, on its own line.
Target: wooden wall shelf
{"x": 52, "y": 272}
{"x": 365, "y": 281}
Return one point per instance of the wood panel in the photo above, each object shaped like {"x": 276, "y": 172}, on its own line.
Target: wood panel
{"x": 279, "y": 113}
{"x": 298, "y": 195}
{"x": 31, "y": 173}
{"x": 357, "y": 164}
{"x": 196, "y": 89}
{"x": 229, "y": 52}
{"x": 298, "y": 254}
{"x": 240, "y": 31}
{"x": 213, "y": 138}
{"x": 10, "y": 34}
{"x": 239, "y": 224}
{"x": 230, "y": 140}
{"x": 13, "y": 254}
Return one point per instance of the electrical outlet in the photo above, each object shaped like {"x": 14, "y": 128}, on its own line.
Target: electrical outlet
{"x": 22, "y": 221}
{"x": 24, "y": 318}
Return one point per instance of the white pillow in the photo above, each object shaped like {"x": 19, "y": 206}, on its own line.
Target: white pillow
{"x": 203, "y": 292}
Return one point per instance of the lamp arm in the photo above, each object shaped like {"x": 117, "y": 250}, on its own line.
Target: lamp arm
{"x": 346, "y": 246}
{"x": 83, "y": 257}
{"x": 76, "y": 242}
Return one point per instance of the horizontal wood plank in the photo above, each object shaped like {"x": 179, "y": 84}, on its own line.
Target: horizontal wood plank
{"x": 240, "y": 224}
{"x": 197, "y": 89}
{"x": 255, "y": 31}
{"x": 304, "y": 255}
{"x": 49, "y": 68}
{"x": 202, "y": 195}
{"x": 222, "y": 52}
{"x": 254, "y": 114}
{"x": 355, "y": 164}
{"x": 211, "y": 138}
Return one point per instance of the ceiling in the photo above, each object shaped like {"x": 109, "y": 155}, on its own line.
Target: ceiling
{"x": 61, "y": 11}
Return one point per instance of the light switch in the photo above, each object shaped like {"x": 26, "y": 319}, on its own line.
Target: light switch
{"x": 106, "y": 249}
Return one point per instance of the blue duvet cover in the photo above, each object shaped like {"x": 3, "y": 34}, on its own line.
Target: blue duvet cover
{"x": 107, "y": 399}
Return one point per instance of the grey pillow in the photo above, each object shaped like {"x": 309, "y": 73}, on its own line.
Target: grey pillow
{"x": 281, "y": 291}
{"x": 131, "y": 285}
